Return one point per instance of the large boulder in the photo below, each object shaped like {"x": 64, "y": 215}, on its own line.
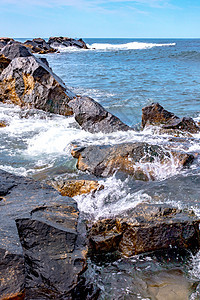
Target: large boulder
{"x": 92, "y": 117}
{"x": 55, "y": 254}
{"x": 15, "y": 49}
{"x": 29, "y": 82}
{"x": 130, "y": 158}
{"x": 55, "y": 250}
{"x": 56, "y": 42}
{"x": 147, "y": 227}
{"x": 39, "y": 45}
{"x": 156, "y": 115}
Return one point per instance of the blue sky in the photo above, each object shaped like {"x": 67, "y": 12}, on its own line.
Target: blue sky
{"x": 100, "y": 18}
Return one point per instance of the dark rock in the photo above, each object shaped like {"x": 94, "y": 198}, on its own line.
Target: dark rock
{"x": 15, "y": 49}
{"x": 155, "y": 114}
{"x": 147, "y": 227}
{"x": 56, "y": 42}
{"x": 4, "y": 41}
{"x": 39, "y": 45}
{"x": 29, "y": 82}
{"x": 129, "y": 158}
{"x": 12, "y": 274}
{"x": 55, "y": 255}
{"x": 92, "y": 117}
{"x": 4, "y": 62}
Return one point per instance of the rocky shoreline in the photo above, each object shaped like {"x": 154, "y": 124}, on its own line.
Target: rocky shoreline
{"x": 44, "y": 244}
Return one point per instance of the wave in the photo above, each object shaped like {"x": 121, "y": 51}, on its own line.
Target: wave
{"x": 127, "y": 46}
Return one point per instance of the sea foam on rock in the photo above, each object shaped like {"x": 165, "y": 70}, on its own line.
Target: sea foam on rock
{"x": 145, "y": 228}
{"x": 105, "y": 160}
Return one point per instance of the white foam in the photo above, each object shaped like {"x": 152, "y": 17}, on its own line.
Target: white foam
{"x": 112, "y": 200}
{"x": 128, "y": 46}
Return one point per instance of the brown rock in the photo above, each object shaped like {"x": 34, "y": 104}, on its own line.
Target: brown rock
{"x": 148, "y": 227}
{"x": 56, "y": 42}
{"x": 156, "y": 115}
{"x": 39, "y": 45}
{"x": 3, "y": 124}
{"x": 129, "y": 158}
{"x": 73, "y": 188}
{"x": 4, "y": 62}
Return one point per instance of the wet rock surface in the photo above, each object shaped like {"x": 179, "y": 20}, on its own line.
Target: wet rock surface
{"x": 156, "y": 115}
{"x": 92, "y": 117}
{"x": 49, "y": 220}
{"x": 146, "y": 228}
{"x": 56, "y": 42}
{"x": 75, "y": 187}
{"x": 55, "y": 254}
{"x": 29, "y": 82}
{"x": 126, "y": 157}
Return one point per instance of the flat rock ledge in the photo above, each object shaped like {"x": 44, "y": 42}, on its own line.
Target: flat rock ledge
{"x": 156, "y": 115}
{"x": 130, "y": 158}
{"x": 146, "y": 228}
{"x": 42, "y": 245}
{"x": 75, "y": 187}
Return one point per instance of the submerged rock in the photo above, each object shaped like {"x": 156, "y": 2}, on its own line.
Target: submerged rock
{"x": 147, "y": 227}
{"x": 92, "y": 117}
{"x": 130, "y": 158}
{"x": 75, "y": 187}
{"x": 39, "y": 45}
{"x": 156, "y": 115}
{"x": 56, "y": 42}
{"x": 29, "y": 82}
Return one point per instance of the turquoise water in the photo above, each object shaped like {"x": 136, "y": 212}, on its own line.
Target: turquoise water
{"x": 123, "y": 75}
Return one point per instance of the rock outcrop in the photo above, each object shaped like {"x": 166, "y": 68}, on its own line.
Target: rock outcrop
{"x": 39, "y": 45}
{"x": 147, "y": 227}
{"x": 15, "y": 49}
{"x": 129, "y": 158}
{"x": 56, "y": 42}
{"x": 29, "y": 82}
{"x": 4, "y": 41}
{"x": 92, "y": 117}
{"x": 75, "y": 187}
{"x": 4, "y": 62}
{"x": 55, "y": 251}
{"x": 156, "y": 115}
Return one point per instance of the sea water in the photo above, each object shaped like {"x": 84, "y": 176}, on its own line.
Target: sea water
{"x": 123, "y": 75}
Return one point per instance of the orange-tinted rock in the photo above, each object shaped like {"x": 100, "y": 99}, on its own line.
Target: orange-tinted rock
{"x": 147, "y": 227}
{"x": 3, "y": 124}
{"x": 4, "y": 62}
{"x": 39, "y": 45}
{"x": 73, "y": 188}
{"x": 56, "y": 42}
{"x": 129, "y": 158}
{"x": 156, "y": 115}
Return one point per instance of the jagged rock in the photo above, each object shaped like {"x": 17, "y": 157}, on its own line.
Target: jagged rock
{"x": 29, "y": 82}
{"x": 56, "y": 42}
{"x": 4, "y": 41}
{"x": 4, "y": 62}
{"x": 15, "y": 49}
{"x": 129, "y": 158}
{"x": 39, "y": 45}
{"x": 147, "y": 227}
{"x": 92, "y": 117}
{"x": 155, "y": 114}
{"x": 55, "y": 251}
{"x": 3, "y": 124}
{"x": 75, "y": 187}
{"x": 55, "y": 254}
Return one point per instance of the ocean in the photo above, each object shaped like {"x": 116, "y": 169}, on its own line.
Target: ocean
{"x": 123, "y": 75}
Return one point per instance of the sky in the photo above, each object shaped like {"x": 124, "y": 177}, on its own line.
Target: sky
{"x": 100, "y": 18}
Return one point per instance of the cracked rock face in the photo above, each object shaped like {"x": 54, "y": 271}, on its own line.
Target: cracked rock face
{"x": 147, "y": 227}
